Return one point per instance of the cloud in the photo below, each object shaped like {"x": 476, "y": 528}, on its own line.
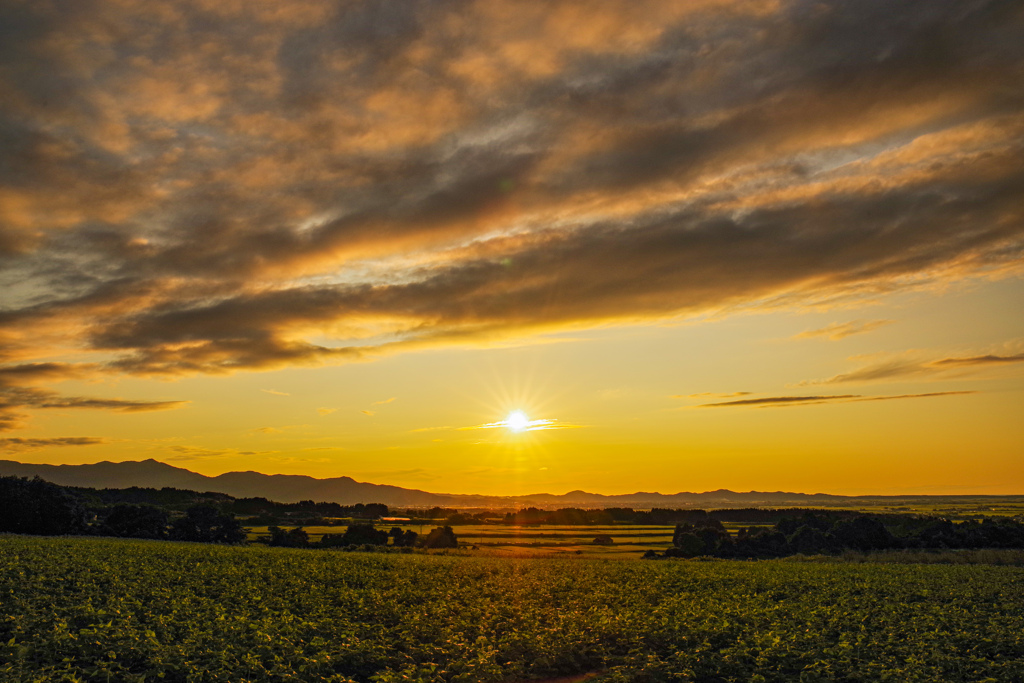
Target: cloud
{"x": 325, "y": 411}
{"x": 781, "y": 401}
{"x": 15, "y": 444}
{"x": 14, "y": 397}
{"x": 986, "y": 360}
{"x": 837, "y": 331}
{"x": 380, "y": 403}
{"x": 528, "y": 426}
{"x": 275, "y": 393}
{"x": 913, "y": 366}
{"x": 186, "y": 453}
{"x": 708, "y": 394}
{"x": 29, "y": 373}
{"x": 313, "y": 183}
{"x": 368, "y": 413}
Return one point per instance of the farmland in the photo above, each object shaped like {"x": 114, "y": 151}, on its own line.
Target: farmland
{"x": 80, "y": 609}
{"x": 628, "y": 541}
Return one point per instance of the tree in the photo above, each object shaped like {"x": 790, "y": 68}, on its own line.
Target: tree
{"x": 441, "y": 537}
{"x": 688, "y": 544}
{"x": 810, "y": 540}
{"x": 136, "y": 521}
{"x": 288, "y": 538}
{"x": 34, "y": 506}
{"x": 207, "y": 524}
{"x": 862, "y": 533}
{"x": 360, "y": 534}
{"x": 406, "y": 540}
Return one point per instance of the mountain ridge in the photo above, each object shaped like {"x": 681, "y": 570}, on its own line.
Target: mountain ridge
{"x": 292, "y": 488}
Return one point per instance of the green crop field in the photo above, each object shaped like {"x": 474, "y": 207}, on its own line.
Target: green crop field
{"x": 80, "y": 609}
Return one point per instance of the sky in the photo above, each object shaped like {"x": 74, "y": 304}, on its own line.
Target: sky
{"x": 744, "y": 244}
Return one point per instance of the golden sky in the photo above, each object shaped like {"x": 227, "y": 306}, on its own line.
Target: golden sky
{"x": 720, "y": 244}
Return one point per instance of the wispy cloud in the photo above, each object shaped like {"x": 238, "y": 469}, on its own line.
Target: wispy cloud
{"x": 15, "y": 444}
{"x": 275, "y": 392}
{"x": 837, "y": 331}
{"x": 326, "y": 411}
{"x": 782, "y": 401}
{"x": 186, "y": 453}
{"x": 14, "y": 398}
{"x": 368, "y": 413}
{"x": 903, "y": 367}
{"x": 380, "y": 403}
{"x": 986, "y": 360}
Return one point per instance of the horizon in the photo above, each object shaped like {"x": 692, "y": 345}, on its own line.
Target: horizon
{"x": 904, "y": 494}
{"x": 498, "y": 247}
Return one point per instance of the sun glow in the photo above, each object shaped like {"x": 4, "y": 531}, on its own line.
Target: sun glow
{"x": 517, "y": 421}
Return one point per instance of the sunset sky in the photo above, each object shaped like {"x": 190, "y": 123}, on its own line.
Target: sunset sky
{"x": 707, "y": 244}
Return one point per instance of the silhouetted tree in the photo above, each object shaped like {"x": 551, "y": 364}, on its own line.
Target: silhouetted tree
{"x": 687, "y": 544}
{"x": 360, "y": 534}
{"x": 207, "y": 524}
{"x": 441, "y": 537}
{"x": 811, "y": 541}
{"x": 288, "y": 538}
{"x": 862, "y": 533}
{"x": 333, "y": 541}
{"x": 136, "y": 521}
{"x": 34, "y": 506}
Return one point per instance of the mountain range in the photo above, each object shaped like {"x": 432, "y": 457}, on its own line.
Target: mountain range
{"x": 291, "y": 488}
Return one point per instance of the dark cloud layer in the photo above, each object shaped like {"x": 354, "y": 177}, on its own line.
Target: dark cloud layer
{"x": 201, "y": 187}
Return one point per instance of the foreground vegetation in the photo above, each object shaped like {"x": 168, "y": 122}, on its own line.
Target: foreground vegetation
{"x": 89, "y": 609}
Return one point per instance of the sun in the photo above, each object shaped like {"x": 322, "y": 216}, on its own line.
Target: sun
{"x": 517, "y": 421}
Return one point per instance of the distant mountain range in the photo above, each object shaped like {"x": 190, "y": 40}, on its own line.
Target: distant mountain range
{"x": 291, "y": 488}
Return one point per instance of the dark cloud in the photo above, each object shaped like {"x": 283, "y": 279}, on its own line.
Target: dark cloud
{"x": 35, "y": 372}
{"x": 190, "y": 187}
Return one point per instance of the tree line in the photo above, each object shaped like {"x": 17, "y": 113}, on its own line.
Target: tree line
{"x": 654, "y": 517}
{"x": 38, "y": 507}
{"x": 263, "y": 510}
{"x": 833, "y": 532}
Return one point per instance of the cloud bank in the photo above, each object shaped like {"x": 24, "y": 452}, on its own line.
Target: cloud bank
{"x": 208, "y": 187}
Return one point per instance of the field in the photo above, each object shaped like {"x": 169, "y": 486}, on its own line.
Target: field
{"x": 79, "y": 609}
{"x": 629, "y": 541}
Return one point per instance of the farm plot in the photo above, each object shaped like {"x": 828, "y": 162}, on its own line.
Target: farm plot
{"x": 80, "y": 609}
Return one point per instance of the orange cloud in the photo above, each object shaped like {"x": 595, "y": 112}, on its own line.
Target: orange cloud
{"x": 303, "y": 184}
{"x": 837, "y": 331}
